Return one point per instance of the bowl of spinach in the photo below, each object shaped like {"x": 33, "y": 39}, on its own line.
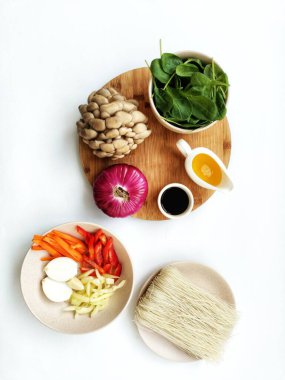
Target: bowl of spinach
{"x": 188, "y": 91}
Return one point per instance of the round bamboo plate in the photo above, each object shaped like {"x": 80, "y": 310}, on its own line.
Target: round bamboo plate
{"x": 157, "y": 157}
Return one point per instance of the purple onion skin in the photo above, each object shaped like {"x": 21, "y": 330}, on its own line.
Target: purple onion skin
{"x": 131, "y": 184}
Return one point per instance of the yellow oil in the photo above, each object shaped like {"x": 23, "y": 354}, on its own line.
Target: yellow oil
{"x": 206, "y": 168}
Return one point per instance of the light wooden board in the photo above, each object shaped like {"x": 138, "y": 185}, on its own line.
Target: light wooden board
{"x": 158, "y": 158}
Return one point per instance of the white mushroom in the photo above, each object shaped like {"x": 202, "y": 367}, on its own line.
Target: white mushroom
{"x": 112, "y": 108}
{"x": 138, "y": 117}
{"x": 108, "y": 148}
{"x": 125, "y": 117}
{"x": 99, "y": 99}
{"x": 140, "y": 127}
{"x": 97, "y": 124}
{"x": 104, "y": 92}
{"x": 143, "y": 135}
{"x": 118, "y": 144}
{"x": 111, "y": 124}
{"x": 128, "y": 107}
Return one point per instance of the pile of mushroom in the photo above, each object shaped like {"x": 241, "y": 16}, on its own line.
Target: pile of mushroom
{"x": 111, "y": 125}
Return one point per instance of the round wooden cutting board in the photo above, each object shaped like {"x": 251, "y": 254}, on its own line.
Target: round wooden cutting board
{"x": 158, "y": 157}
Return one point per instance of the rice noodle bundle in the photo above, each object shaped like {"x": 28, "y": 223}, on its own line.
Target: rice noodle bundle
{"x": 192, "y": 319}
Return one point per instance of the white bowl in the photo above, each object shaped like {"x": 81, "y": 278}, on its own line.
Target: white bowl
{"x": 52, "y": 314}
{"x": 187, "y": 191}
{"x": 171, "y": 127}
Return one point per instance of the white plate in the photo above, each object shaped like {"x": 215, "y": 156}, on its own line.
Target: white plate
{"x": 200, "y": 275}
{"x": 50, "y": 313}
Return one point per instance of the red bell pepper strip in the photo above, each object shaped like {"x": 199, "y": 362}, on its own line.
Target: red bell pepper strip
{"x": 106, "y": 250}
{"x": 91, "y": 247}
{"x": 98, "y": 256}
{"x": 107, "y": 268}
{"x": 84, "y": 233}
{"x": 118, "y": 270}
{"x": 97, "y": 235}
{"x": 103, "y": 239}
{"x": 113, "y": 258}
{"x": 94, "y": 265}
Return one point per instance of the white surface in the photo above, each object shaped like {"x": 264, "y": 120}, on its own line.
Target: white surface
{"x": 53, "y": 54}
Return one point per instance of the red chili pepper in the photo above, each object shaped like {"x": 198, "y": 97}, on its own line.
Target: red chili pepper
{"x": 113, "y": 258}
{"x": 98, "y": 256}
{"x": 107, "y": 268}
{"x": 91, "y": 247}
{"x": 84, "y": 233}
{"x": 94, "y": 265}
{"x": 118, "y": 270}
{"x": 97, "y": 235}
{"x": 106, "y": 250}
{"x": 103, "y": 239}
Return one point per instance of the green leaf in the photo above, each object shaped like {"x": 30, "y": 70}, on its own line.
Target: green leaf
{"x": 203, "y": 108}
{"x": 199, "y": 79}
{"x": 162, "y": 100}
{"x": 181, "y": 107}
{"x": 157, "y": 71}
{"x": 199, "y": 90}
{"x": 169, "y": 62}
{"x": 182, "y": 124}
{"x": 208, "y": 70}
{"x": 221, "y": 105}
{"x": 223, "y": 78}
{"x": 186, "y": 70}
{"x": 197, "y": 62}
{"x": 178, "y": 83}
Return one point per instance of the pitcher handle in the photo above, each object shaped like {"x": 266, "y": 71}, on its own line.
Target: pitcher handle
{"x": 184, "y": 147}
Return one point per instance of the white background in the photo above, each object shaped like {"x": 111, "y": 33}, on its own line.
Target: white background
{"x": 52, "y": 55}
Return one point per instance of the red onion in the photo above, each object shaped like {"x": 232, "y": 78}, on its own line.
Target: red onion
{"x": 120, "y": 190}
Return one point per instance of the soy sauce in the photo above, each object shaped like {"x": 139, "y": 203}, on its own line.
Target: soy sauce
{"x": 174, "y": 200}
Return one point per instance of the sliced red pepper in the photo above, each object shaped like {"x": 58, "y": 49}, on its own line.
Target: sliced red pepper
{"x": 103, "y": 239}
{"x": 106, "y": 249}
{"x": 94, "y": 265}
{"x": 84, "y": 233}
{"x": 107, "y": 268}
{"x": 91, "y": 247}
{"x": 118, "y": 270}
{"x": 98, "y": 256}
{"x": 97, "y": 235}
{"x": 113, "y": 258}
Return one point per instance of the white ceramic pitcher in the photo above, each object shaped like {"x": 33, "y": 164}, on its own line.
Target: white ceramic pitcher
{"x": 225, "y": 184}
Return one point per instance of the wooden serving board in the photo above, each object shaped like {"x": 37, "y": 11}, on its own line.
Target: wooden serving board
{"x": 158, "y": 157}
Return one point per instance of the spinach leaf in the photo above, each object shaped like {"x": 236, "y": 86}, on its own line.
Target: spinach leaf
{"x": 181, "y": 124}
{"x": 223, "y": 78}
{"x": 181, "y": 107}
{"x": 221, "y": 105}
{"x": 186, "y": 70}
{"x": 157, "y": 71}
{"x": 162, "y": 100}
{"x": 199, "y": 79}
{"x": 195, "y": 61}
{"x": 169, "y": 62}
{"x": 212, "y": 70}
{"x": 203, "y": 108}
{"x": 199, "y": 90}
{"x": 178, "y": 83}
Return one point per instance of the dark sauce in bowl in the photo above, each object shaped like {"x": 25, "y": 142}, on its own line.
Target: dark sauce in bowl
{"x": 174, "y": 200}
